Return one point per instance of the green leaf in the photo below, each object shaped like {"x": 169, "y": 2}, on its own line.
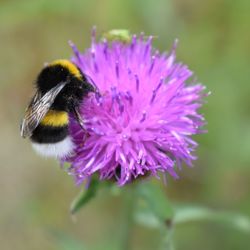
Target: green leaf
{"x": 146, "y": 218}
{"x": 153, "y": 207}
{"x": 184, "y": 214}
{"x": 85, "y": 196}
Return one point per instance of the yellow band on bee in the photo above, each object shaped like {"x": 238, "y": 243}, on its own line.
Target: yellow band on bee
{"x": 68, "y": 65}
{"x": 55, "y": 118}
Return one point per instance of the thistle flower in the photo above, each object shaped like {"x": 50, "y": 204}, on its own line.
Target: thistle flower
{"x": 141, "y": 119}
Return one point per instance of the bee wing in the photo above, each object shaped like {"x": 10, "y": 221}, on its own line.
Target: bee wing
{"x": 38, "y": 108}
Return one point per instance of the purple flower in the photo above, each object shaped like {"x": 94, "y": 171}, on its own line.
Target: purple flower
{"x": 142, "y": 117}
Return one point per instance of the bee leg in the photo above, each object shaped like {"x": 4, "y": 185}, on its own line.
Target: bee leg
{"x": 78, "y": 118}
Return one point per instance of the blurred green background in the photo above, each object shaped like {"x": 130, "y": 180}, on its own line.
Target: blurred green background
{"x": 35, "y": 193}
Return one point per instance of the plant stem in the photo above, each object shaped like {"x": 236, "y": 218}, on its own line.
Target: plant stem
{"x": 167, "y": 242}
{"x": 127, "y": 227}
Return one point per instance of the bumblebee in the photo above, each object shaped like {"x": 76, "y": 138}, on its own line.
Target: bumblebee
{"x": 60, "y": 89}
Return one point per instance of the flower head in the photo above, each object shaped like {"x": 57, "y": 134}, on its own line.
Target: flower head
{"x": 141, "y": 119}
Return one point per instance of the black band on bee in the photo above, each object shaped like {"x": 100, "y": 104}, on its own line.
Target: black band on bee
{"x": 49, "y": 134}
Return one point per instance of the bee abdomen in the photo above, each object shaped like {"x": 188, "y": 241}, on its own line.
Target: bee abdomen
{"x": 59, "y": 149}
{"x": 49, "y": 134}
{"x": 50, "y": 138}
{"x": 52, "y": 128}
{"x": 55, "y": 118}
{"x": 52, "y": 141}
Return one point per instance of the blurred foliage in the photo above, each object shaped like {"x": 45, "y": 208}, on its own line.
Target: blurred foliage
{"x": 35, "y": 193}
{"x": 86, "y": 195}
{"x": 152, "y": 198}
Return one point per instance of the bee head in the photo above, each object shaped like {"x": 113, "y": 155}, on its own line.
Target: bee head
{"x": 57, "y": 72}
{"x": 76, "y": 86}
